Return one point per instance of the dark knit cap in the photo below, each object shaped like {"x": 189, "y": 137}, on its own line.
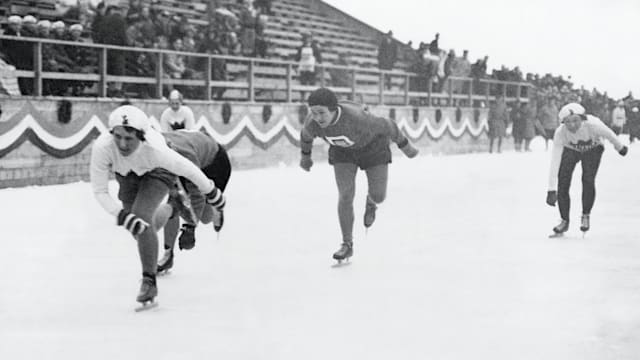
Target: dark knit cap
{"x": 323, "y": 97}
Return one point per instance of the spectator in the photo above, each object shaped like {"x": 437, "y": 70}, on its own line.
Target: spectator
{"x": 83, "y": 58}
{"x": 387, "y": 52}
{"x": 262, "y": 45}
{"x": 548, "y": 119}
{"x": 263, "y": 6}
{"x": 29, "y": 27}
{"x": 248, "y": 21}
{"x": 387, "y": 56}
{"x": 211, "y": 45}
{"x": 433, "y": 45}
{"x": 633, "y": 120}
{"x": 618, "y": 118}
{"x": 19, "y": 53}
{"x": 308, "y": 56}
{"x": 447, "y": 70}
{"x": 341, "y": 77}
{"x": 111, "y": 30}
{"x": 528, "y": 114}
{"x": 497, "y": 119}
{"x": 479, "y": 71}
{"x": 461, "y": 68}
{"x": 177, "y": 116}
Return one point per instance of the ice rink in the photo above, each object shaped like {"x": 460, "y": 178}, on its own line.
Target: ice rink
{"x": 457, "y": 266}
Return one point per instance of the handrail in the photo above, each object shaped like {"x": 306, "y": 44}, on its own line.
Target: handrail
{"x": 376, "y": 78}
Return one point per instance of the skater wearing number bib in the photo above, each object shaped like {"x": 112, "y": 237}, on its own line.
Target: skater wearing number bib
{"x": 144, "y": 167}
{"x": 577, "y": 139}
{"x": 356, "y": 138}
{"x": 202, "y": 150}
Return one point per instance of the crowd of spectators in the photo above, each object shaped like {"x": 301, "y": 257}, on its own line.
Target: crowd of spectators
{"x": 236, "y": 29}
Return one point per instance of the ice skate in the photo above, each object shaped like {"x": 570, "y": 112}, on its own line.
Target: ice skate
{"x": 218, "y": 220}
{"x": 369, "y": 213}
{"x": 165, "y": 263}
{"x": 560, "y": 229}
{"x": 584, "y": 224}
{"x": 147, "y": 294}
{"x": 344, "y": 253}
{"x": 187, "y": 239}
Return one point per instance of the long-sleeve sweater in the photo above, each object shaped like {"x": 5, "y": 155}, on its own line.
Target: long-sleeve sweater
{"x": 152, "y": 153}
{"x": 353, "y": 128}
{"x": 589, "y": 136}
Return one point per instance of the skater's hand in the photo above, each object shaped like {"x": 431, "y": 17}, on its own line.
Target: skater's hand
{"x": 305, "y": 162}
{"x": 552, "y": 197}
{"x": 132, "y": 222}
{"x": 409, "y": 150}
{"x": 623, "y": 151}
{"x": 216, "y": 199}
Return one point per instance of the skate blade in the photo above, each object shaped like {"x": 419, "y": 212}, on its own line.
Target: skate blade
{"x": 164, "y": 273}
{"x": 556, "y": 235}
{"x": 341, "y": 263}
{"x": 147, "y": 305}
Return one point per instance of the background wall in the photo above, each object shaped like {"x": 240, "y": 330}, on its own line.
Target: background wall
{"x": 41, "y": 144}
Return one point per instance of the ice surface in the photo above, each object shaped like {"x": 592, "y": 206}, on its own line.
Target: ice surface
{"x": 457, "y": 266}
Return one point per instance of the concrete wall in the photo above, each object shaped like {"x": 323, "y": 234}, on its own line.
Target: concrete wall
{"x": 39, "y": 147}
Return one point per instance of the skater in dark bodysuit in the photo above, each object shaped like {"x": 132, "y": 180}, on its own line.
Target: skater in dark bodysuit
{"x": 357, "y": 139}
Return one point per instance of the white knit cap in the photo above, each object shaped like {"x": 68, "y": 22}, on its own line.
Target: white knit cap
{"x": 14, "y": 19}
{"x": 570, "y": 109}
{"x": 57, "y": 25}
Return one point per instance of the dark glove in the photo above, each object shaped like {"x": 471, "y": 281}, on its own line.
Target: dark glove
{"x": 409, "y": 150}
{"x": 134, "y": 224}
{"x": 623, "y": 151}
{"x": 216, "y": 199}
{"x": 305, "y": 162}
{"x": 552, "y": 197}
{"x": 187, "y": 239}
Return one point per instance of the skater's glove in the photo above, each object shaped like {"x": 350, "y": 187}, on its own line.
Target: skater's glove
{"x": 552, "y": 197}
{"x": 216, "y": 199}
{"x": 305, "y": 162}
{"x": 409, "y": 150}
{"x": 623, "y": 151}
{"x": 132, "y": 222}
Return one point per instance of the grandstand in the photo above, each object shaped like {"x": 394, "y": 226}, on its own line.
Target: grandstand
{"x": 276, "y": 77}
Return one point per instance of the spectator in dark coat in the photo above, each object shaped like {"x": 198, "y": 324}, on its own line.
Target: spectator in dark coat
{"x": 498, "y": 118}
{"x": 112, "y": 30}
{"x": 19, "y": 53}
{"x": 387, "y": 52}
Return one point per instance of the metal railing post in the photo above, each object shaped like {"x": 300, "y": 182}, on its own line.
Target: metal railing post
{"x": 381, "y": 88}
{"x": 250, "y": 78}
{"x": 406, "y": 90}
{"x": 450, "y": 86}
{"x": 288, "y": 82}
{"x": 207, "y": 82}
{"x": 37, "y": 69}
{"x": 102, "y": 85}
{"x": 429, "y": 86}
{"x": 470, "y": 93}
{"x": 159, "y": 74}
{"x": 353, "y": 85}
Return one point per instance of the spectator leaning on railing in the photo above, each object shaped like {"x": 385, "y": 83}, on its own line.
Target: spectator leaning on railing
{"x": 619, "y": 118}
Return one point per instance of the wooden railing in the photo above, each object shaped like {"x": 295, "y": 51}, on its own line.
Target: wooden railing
{"x": 275, "y": 80}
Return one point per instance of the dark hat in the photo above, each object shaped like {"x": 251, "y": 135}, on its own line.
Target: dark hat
{"x": 323, "y": 97}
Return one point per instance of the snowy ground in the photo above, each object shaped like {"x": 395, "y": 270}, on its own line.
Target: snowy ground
{"x": 457, "y": 266}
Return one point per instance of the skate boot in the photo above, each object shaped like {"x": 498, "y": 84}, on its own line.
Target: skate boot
{"x": 166, "y": 262}
{"x": 218, "y": 220}
{"x": 369, "y": 213}
{"x": 560, "y": 228}
{"x": 187, "y": 239}
{"x": 584, "y": 224}
{"x": 148, "y": 289}
{"x": 345, "y": 251}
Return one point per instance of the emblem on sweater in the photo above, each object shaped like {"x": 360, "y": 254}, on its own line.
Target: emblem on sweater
{"x": 341, "y": 141}
{"x": 583, "y": 145}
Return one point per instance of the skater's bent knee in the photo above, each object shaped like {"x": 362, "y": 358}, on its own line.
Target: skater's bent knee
{"x": 377, "y": 197}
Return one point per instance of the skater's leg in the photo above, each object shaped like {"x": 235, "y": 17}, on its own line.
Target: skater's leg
{"x": 568, "y": 163}
{"x": 345, "y": 174}
{"x": 499, "y": 147}
{"x": 590, "y": 165}
{"x": 377, "y": 180}
{"x": 490, "y": 145}
{"x": 171, "y": 232}
{"x": 150, "y": 195}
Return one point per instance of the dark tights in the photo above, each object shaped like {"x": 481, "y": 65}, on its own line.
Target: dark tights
{"x": 590, "y": 163}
